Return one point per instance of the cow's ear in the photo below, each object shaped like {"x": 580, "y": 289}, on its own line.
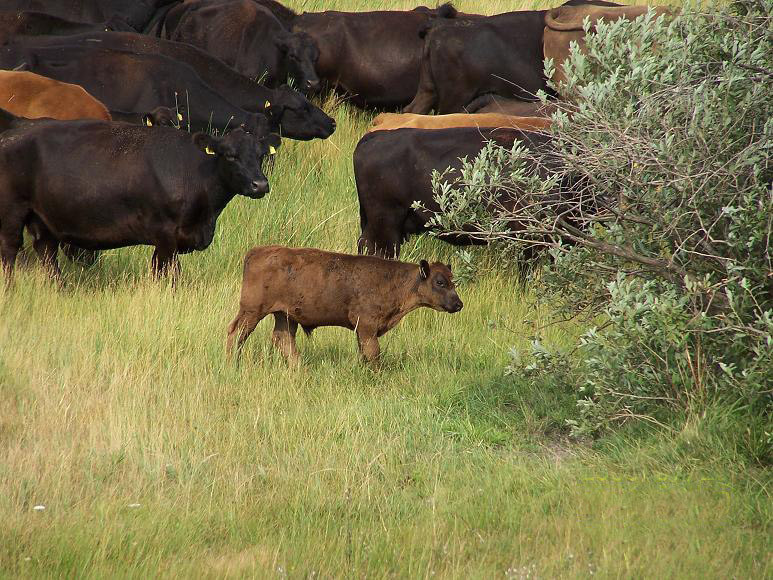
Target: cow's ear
{"x": 424, "y": 269}
{"x": 273, "y": 141}
{"x": 207, "y": 143}
{"x": 449, "y": 267}
{"x": 282, "y": 44}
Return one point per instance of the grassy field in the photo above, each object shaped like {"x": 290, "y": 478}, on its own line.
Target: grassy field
{"x": 153, "y": 456}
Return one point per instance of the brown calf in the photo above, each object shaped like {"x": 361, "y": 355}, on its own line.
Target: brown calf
{"x": 316, "y": 288}
{"x": 33, "y": 96}
{"x": 391, "y": 121}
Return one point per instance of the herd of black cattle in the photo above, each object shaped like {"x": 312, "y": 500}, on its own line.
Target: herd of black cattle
{"x": 135, "y": 123}
{"x": 138, "y": 121}
{"x": 214, "y": 68}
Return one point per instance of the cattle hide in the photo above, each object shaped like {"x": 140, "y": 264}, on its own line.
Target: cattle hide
{"x": 564, "y": 25}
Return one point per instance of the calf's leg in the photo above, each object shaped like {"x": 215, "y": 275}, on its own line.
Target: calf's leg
{"x": 368, "y": 343}
{"x": 284, "y": 337}
{"x": 244, "y": 323}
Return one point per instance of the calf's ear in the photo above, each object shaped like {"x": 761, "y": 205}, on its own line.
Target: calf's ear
{"x": 206, "y": 143}
{"x": 424, "y": 269}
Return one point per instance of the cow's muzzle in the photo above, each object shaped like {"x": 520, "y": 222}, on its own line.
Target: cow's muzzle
{"x": 311, "y": 86}
{"x": 258, "y": 188}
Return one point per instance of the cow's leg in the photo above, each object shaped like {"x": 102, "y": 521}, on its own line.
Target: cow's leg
{"x": 422, "y": 103}
{"x": 368, "y": 343}
{"x": 426, "y": 94}
{"x": 284, "y": 337}
{"x": 81, "y": 256}
{"x": 165, "y": 261}
{"x": 11, "y": 240}
{"x": 383, "y": 235}
{"x": 244, "y": 323}
{"x": 454, "y": 98}
{"x": 46, "y": 247}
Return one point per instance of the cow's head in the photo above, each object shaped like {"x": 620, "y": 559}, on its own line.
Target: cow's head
{"x": 436, "y": 288}
{"x": 301, "y": 54}
{"x": 164, "y": 117}
{"x": 239, "y": 158}
{"x": 297, "y": 118}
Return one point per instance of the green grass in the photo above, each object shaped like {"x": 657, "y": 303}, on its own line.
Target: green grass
{"x": 155, "y": 457}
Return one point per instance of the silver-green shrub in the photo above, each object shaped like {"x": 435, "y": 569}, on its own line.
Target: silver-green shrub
{"x": 663, "y": 227}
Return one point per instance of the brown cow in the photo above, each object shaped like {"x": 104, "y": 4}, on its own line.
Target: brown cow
{"x": 563, "y": 25}
{"x": 391, "y": 121}
{"x": 316, "y": 288}
{"x": 33, "y": 96}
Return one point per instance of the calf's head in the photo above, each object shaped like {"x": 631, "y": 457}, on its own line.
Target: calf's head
{"x": 297, "y": 117}
{"x": 436, "y": 287}
{"x": 301, "y": 53}
{"x": 239, "y": 158}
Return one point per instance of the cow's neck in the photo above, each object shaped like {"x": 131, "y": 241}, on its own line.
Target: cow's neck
{"x": 218, "y": 196}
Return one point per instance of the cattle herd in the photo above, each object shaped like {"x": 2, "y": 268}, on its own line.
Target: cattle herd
{"x": 135, "y": 122}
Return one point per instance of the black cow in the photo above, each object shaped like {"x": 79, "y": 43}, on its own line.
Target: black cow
{"x": 14, "y": 24}
{"x": 290, "y": 113}
{"x": 463, "y": 59}
{"x": 135, "y": 13}
{"x": 129, "y": 82}
{"x": 100, "y": 185}
{"x": 393, "y": 169}
{"x": 247, "y": 37}
{"x": 372, "y": 56}
{"x": 499, "y": 54}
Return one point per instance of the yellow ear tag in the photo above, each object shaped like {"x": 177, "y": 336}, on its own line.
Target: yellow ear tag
{"x": 179, "y": 117}
{"x": 148, "y": 122}
{"x": 267, "y": 105}
{"x": 271, "y": 150}
{"x": 209, "y": 151}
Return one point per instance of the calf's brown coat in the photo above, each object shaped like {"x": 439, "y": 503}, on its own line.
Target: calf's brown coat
{"x": 315, "y": 288}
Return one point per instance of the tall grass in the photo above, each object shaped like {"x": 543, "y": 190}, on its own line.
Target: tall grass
{"x": 153, "y": 456}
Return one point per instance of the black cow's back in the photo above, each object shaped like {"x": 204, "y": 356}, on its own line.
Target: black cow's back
{"x": 393, "y": 169}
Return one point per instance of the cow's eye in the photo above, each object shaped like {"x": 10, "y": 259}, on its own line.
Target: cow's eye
{"x": 440, "y": 283}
